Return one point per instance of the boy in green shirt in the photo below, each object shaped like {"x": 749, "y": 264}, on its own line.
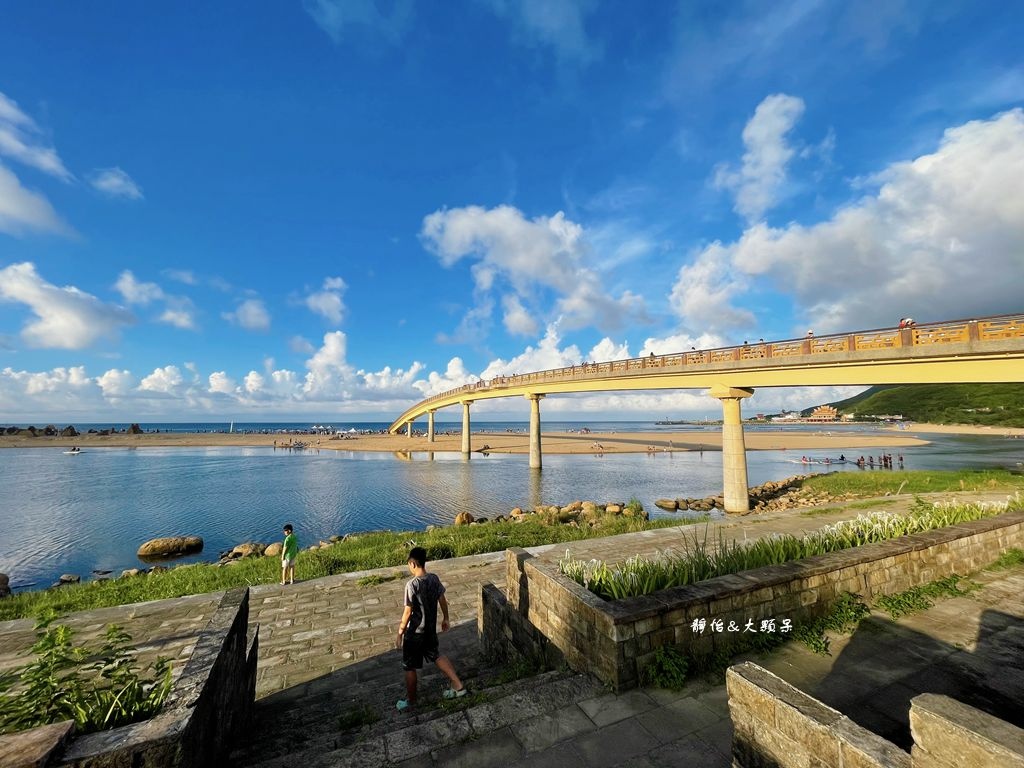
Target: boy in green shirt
{"x": 289, "y": 551}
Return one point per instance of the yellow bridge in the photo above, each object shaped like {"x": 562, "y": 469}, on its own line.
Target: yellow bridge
{"x": 983, "y": 350}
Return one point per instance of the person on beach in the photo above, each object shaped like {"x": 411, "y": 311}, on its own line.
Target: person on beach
{"x": 417, "y": 629}
{"x": 289, "y": 551}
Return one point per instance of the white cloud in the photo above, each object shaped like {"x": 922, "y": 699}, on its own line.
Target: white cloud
{"x": 328, "y": 368}
{"x": 21, "y": 140}
{"x": 704, "y": 290}
{"x": 67, "y": 318}
{"x": 115, "y": 383}
{"x": 942, "y": 237}
{"x": 547, "y": 252}
{"x": 165, "y": 381}
{"x": 518, "y": 319}
{"x": 251, "y": 314}
{"x": 114, "y": 182}
{"x": 455, "y": 375}
{"x": 22, "y": 210}
{"x": 606, "y": 350}
{"x": 135, "y": 292}
{"x": 181, "y": 316}
{"x": 760, "y": 178}
{"x": 185, "y": 276}
{"x": 547, "y": 354}
{"x": 221, "y": 383}
{"x": 327, "y": 301}
{"x": 558, "y": 25}
{"x": 338, "y": 17}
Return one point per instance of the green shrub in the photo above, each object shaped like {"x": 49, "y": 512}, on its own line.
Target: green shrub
{"x": 667, "y": 669}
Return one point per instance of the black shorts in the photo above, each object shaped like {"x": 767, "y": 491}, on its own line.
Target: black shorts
{"x": 416, "y": 647}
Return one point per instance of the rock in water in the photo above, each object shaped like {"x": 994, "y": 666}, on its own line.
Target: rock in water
{"x": 669, "y": 504}
{"x": 171, "y": 546}
{"x": 463, "y": 518}
{"x": 5, "y": 585}
{"x": 70, "y": 578}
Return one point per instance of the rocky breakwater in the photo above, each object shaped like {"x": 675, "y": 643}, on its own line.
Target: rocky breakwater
{"x": 767, "y": 497}
{"x": 576, "y": 513}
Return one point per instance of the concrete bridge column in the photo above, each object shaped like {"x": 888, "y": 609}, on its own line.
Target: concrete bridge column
{"x": 430, "y": 426}
{"x": 466, "y": 448}
{"x": 408, "y": 429}
{"x": 734, "y": 452}
{"x": 535, "y": 452}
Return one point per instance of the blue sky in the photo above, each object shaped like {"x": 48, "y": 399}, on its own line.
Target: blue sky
{"x": 330, "y": 209}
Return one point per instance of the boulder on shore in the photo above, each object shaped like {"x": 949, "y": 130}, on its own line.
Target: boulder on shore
{"x": 248, "y": 549}
{"x": 273, "y": 549}
{"x": 134, "y": 429}
{"x": 171, "y": 546}
{"x": 464, "y": 518}
{"x": 69, "y": 431}
{"x": 129, "y": 572}
{"x": 668, "y": 504}
{"x": 5, "y": 585}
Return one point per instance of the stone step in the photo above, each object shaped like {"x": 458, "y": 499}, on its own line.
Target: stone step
{"x": 435, "y": 727}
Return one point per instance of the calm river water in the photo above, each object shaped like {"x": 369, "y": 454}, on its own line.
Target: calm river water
{"x": 63, "y": 514}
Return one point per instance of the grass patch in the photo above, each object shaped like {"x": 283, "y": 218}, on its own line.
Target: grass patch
{"x": 921, "y": 598}
{"x": 915, "y": 481}
{"x": 701, "y": 560}
{"x": 872, "y": 503}
{"x": 843, "y": 617}
{"x": 1011, "y": 558}
{"x": 358, "y": 553}
{"x": 818, "y": 512}
{"x": 357, "y": 717}
{"x": 375, "y": 578}
{"x": 668, "y": 669}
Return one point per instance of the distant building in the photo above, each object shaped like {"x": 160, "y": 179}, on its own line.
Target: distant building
{"x": 824, "y": 413}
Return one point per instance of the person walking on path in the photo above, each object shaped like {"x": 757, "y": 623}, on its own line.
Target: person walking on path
{"x": 289, "y": 551}
{"x": 417, "y": 630}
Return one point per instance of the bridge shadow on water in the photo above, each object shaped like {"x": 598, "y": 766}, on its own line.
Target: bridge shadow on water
{"x": 884, "y": 665}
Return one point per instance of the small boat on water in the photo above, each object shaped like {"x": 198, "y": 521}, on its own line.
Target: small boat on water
{"x": 73, "y": 452}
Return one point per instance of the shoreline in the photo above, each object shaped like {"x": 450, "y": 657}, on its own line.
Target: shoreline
{"x": 554, "y": 443}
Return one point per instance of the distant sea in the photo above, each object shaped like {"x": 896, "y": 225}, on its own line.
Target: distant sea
{"x": 63, "y": 514}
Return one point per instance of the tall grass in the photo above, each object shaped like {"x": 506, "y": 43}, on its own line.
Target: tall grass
{"x": 362, "y": 552}
{"x": 700, "y": 560}
{"x": 915, "y": 481}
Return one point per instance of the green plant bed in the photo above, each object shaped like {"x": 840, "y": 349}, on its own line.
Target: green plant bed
{"x": 358, "y": 553}
{"x": 97, "y": 689}
{"x": 700, "y": 561}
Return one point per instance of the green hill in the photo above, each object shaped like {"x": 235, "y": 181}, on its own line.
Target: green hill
{"x": 997, "y": 405}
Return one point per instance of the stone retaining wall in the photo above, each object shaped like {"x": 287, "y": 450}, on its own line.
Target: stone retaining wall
{"x": 615, "y": 640}
{"x": 210, "y": 704}
{"x": 778, "y": 726}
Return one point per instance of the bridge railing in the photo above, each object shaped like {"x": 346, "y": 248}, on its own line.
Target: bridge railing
{"x": 989, "y": 329}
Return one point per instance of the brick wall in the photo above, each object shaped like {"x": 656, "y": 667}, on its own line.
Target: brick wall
{"x": 616, "y": 640}
{"x": 949, "y": 734}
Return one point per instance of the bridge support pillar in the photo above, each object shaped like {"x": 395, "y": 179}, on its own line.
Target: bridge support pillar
{"x": 734, "y": 451}
{"x": 430, "y": 426}
{"x": 466, "y": 447}
{"x": 535, "y": 451}
{"x": 408, "y": 429}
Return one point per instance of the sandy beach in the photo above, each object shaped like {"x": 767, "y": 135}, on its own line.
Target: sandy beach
{"x": 504, "y": 442}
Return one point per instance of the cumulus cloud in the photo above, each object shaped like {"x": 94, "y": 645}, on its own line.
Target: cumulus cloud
{"x": 339, "y": 18}
{"x": 66, "y": 318}
{"x": 547, "y": 251}
{"x": 559, "y": 26}
{"x": 165, "y": 381}
{"x": 940, "y": 238}
{"x": 115, "y": 383}
{"x": 455, "y": 375}
{"x": 114, "y": 182}
{"x": 545, "y": 355}
{"x": 179, "y": 311}
{"x": 518, "y": 319}
{"x": 221, "y": 383}
{"x": 301, "y": 345}
{"x": 758, "y": 181}
{"x": 251, "y": 314}
{"x": 327, "y": 301}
